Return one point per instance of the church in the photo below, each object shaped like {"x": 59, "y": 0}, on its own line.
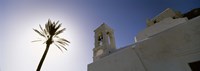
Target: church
{"x": 170, "y": 42}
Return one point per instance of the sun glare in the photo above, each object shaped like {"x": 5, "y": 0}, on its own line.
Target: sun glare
{"x": 26, "y": 52}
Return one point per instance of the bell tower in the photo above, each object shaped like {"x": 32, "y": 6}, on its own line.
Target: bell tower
{"x": 104, "y": 42}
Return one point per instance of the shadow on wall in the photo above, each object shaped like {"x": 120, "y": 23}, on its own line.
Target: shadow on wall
{"x": 192, "y": 14}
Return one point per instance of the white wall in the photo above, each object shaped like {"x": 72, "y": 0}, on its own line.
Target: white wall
{"x": 163, "y": 25}
{"x": 122, "y": 60}
{"x": 172, "y": 49}
{"x": 168, "y": 50}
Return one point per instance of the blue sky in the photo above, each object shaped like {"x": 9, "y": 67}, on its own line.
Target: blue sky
{"x": 80, "y": 17}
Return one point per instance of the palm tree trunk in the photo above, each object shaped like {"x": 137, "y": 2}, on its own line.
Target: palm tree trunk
{"x": 43, "y": 57}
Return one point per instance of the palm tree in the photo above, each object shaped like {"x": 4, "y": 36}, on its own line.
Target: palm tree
{"x": 50, "y": 33}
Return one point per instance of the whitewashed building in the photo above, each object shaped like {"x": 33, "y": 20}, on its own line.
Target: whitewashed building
{"x": 171, "y": 42}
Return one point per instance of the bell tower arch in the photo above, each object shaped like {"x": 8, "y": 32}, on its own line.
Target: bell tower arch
{"x": 104, "y": 42}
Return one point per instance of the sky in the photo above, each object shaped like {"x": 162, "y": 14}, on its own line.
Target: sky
{"x": 80, "y": 18}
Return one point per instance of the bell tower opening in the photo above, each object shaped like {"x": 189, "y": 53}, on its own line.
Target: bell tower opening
{"x": 100, "y": 39}
{"x": 108, "y": 38}
{"x": 104, "y": 42}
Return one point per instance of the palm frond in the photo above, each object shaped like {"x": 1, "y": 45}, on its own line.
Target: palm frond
{"x": 61, "y": 39}
{"x": 46, "y": 33}
{"x": 57, "y": 22}
{"x": 41, "y": 28}
{"x": 62, "y": 43}
{"x": 58, "y": 26}
{"x": 60, "y": 31}
{"x": 36, "y": 40}
{"x": 56, "y": 36}
{"x": 46, "y": 27}
{"x": 64, "y": 40}
{"x": 58, "y": 47}
{"x": 51, "y": 31}
{"x": 63, "y": 47}
{"x": 40, "y": 33}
